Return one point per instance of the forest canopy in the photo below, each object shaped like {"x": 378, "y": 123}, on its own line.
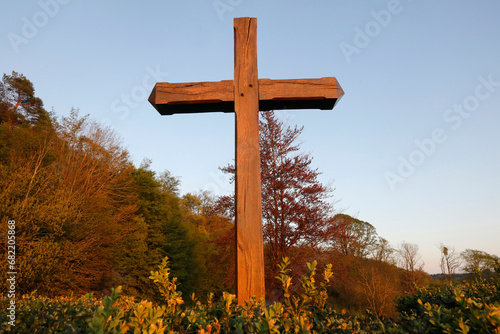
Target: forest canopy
{"x": 86, "y": 218}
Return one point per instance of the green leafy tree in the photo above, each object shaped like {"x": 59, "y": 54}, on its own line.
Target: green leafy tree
{"x": 479, "y": 260}
{"x": 215, "y": 247}
{"x": 358, "y": 238}
{"x": 168, "y": 232}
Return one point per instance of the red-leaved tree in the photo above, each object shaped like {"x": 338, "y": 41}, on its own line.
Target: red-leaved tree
{"x": 296, "y": 214}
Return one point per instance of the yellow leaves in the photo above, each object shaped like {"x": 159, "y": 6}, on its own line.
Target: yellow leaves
{"x": 464, "y": 329}
{"x": 167, "y": 286}
{"x": 328, "y": 273}
{"x": 228, "y": 300}
{"x": 148, "y": 318}
{"x": 495, "y": 311}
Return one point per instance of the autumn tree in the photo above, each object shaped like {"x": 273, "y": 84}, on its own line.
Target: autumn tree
{"x": 382, "y": 251}
{"x": 409, "y": 257}
{"x": 410, "y": 260}
{"x": 376, "y": 285}
{"x": 295, "y": 208}
{"x": 68, "y": 190}
{"x": 86, "y": 218}
{"x": 364, "y": 267}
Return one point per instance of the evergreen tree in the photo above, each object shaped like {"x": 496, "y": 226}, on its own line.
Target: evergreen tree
{"x": 168, "y": 233}
{"x": 18, "y": 103}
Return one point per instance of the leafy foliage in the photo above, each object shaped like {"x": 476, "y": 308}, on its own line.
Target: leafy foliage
{"x": 474, "y": 308}
{"x": 466, "y": 307}
{"x": 357, "y": 238}
{"x": 305, "y": 312}
{"x": 86, "y": 218}
{"x": 67, "y": 190}
{"x": 487, "y": 290}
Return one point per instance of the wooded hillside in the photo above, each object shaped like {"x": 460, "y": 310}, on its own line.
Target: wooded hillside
{"x": 87, "y": 219}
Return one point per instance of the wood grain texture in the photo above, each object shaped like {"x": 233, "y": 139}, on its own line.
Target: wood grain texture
{"x": 246, "y": 95}
{"x": 169, "y": 98}
{"x": 249, "y": 238}
{"x": 195, "y": 97}
{"x": 320, "y": 93}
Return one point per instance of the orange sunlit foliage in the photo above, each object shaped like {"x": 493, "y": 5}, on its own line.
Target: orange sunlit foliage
{"x": 296, "y": 211}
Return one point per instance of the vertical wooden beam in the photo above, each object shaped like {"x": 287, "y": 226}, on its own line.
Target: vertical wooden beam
{"x": 249, "y": 238}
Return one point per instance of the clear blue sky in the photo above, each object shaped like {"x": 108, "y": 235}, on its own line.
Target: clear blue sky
{"x": 412, "y": 147}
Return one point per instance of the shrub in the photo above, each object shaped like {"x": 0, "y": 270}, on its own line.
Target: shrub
{"x": 464, "y": 308}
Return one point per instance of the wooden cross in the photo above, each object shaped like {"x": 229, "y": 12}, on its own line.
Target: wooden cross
{"x": 245, "y": 96}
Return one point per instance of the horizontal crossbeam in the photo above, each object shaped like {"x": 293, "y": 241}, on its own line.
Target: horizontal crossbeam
{"x": 197, "y": 97}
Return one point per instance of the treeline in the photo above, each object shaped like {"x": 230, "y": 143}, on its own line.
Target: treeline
{"x": 87, "y": 219}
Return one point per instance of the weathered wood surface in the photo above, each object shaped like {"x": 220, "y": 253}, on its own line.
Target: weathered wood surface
{"x": 195, "y": 97}
{"x": 245, "y": 96}
{"x": 249, "y": 238}
{"x": 320, "y": 93}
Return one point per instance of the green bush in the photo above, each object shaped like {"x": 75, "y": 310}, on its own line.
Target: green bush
{"x": 484, "y": 290}
{"x": 461, "y": 307}
{"x": 466, "y": 308}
